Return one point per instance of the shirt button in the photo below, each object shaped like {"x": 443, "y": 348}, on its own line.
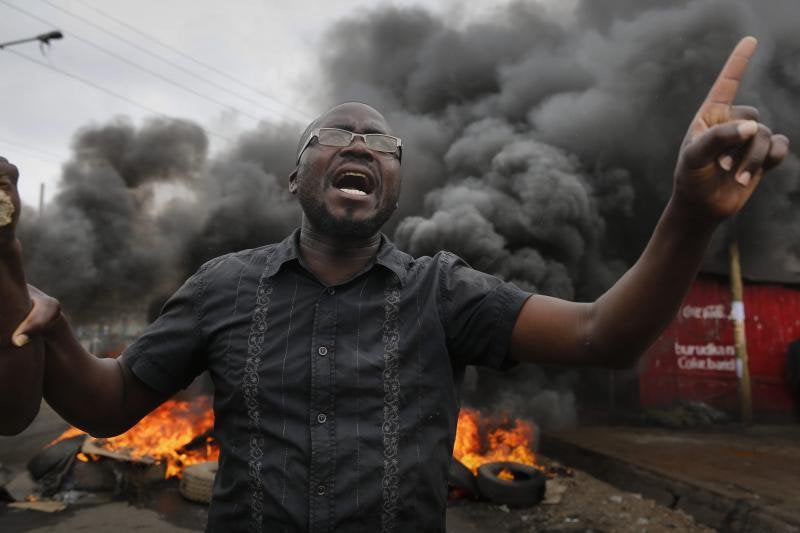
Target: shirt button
{"x": 322, "y": 350}
{"x": 321, "y": 490}
{"x": 331, "y": 291}
{"x": 321, "y": 418}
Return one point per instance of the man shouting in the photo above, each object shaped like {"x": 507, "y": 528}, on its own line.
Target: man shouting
{"x": 336, "y": 357}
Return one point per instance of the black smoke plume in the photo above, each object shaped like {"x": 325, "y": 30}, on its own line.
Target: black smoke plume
{"x": 538, "y": 146}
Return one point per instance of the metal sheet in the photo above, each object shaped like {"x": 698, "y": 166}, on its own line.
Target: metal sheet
{"x": 694, "y": 358}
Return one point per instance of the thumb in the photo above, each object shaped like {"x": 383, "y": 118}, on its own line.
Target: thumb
{"x": 707, "y": 147}
{"x": 35, "y": 322}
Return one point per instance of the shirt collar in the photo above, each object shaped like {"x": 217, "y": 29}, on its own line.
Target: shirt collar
{"x": 388, "y": 256}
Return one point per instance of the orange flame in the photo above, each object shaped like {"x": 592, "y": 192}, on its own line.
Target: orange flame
{"x": 163, "y": 435}
{"x": 481, "y": 439}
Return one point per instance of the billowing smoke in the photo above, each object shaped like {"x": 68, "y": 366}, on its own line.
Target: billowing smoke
{"x": 106, "y": 243}
{"x": 561, "y": 135}
{"x": 556, "y": 140}
{"x": 540, "y": 146}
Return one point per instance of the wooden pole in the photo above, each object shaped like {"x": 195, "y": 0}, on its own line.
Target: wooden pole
{"x": 740, "y": 341}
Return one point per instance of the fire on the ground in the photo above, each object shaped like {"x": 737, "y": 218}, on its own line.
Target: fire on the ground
{"x": 167, "y": 435}
{"x": 178, "y": 433}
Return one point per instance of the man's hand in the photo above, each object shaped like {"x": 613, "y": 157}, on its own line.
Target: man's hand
{"x": 726, "y": 150}
{"x": 722, "y": 159}
{"x": 42, "y": 317}
{"x": 9, "y": 201}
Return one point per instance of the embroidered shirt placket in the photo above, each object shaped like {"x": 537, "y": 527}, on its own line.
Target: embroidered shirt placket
{"x": 250, "y": 390}
{"x": 391, "y": 406}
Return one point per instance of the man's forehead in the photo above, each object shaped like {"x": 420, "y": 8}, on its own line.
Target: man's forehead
{"x": 355, "y": 117}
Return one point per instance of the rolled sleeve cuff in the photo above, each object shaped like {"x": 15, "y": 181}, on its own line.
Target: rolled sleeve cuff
{"x": 509, "y": 300}
{"x": 151, "y": 374}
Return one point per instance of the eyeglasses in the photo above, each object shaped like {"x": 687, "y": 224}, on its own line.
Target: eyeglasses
{"x": 380, "y": 142}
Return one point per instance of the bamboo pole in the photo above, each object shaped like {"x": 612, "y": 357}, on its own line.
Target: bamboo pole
{"x": 740, "y": 341}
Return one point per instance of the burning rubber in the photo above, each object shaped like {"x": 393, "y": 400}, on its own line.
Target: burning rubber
{"x": 6, "y": 209}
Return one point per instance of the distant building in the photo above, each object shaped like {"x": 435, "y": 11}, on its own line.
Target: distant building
{"x": 694, "y": 359}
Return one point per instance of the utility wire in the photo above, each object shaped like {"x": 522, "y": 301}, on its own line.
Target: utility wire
{"x": 136, "y": 65}
{"x": 165, "y": 60}
{"x": 44, "y": 153}
{"x": 30, "y": 152}
{"x": 190, "y": 58}
{"x": 106, "y": 91}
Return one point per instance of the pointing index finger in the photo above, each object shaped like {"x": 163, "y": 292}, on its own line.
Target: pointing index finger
{"x": 717, "y": 105}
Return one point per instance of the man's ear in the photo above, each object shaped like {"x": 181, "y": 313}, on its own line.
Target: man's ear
{"x": 293, "y": 182}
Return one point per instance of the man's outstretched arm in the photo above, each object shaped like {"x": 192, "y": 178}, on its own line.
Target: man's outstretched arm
{"x": 99, "y": 396}
{"x": 722, "y": 160}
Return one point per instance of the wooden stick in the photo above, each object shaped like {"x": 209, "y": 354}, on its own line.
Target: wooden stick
{"x": 740, "y": 341}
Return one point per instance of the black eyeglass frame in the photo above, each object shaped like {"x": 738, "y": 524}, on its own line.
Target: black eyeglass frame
{"x": 364, "y": 136}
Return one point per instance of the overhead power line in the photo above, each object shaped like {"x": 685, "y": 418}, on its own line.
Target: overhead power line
{"x": 167, "y": 61}
{"x": 137, "y": 66}
{"x": 45, "y": 153}
{"x": 106, "y": 90}
{"x": 190, "y": 58}
{"x": 33, "y": 153}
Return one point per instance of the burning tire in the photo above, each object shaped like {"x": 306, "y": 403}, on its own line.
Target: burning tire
{"x": 525, "y": 489}
{"x": 198, "y": 481}
{"x": 461, "y": 477}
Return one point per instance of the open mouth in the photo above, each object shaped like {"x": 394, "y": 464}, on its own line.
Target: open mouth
{"x": 354, "y": 182}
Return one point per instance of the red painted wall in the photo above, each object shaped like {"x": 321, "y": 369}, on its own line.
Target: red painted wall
{"x": 694, "y": 358}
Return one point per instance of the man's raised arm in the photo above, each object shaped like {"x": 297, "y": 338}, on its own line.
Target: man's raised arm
{"x": 39, "y": 354}
{"x": 20, "y": 367}
{"x": 722, "y": 159}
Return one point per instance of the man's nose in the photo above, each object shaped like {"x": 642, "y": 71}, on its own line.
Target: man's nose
{"x": 357, "y": 148}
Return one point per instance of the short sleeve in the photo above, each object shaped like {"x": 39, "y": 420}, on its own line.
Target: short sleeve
{"x": 478, "y": 311}
{"x": 171, "y": 352}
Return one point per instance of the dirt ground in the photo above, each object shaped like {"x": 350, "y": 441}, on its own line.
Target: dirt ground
{"x": 574, "y": 503}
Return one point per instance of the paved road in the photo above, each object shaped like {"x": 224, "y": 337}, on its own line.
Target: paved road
{"x": 741, "y": 479}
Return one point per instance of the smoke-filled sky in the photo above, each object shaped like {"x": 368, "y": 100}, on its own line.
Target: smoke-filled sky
{"x": 267, "y": 45}
{"x": 539, "y": 145}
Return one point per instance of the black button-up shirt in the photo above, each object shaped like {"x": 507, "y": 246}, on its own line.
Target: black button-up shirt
{"x": 336, "y": 406}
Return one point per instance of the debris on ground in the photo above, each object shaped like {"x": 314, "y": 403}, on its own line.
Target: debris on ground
{"x": 578, "y": 502}
{"x": 684, "y": 415}
{"x": 44, "y": 506}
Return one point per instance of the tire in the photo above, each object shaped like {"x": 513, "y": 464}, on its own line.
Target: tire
{"x": 197, "y": 482}
{"x": 525, "y": 490}
{"x": 461, "y": 477}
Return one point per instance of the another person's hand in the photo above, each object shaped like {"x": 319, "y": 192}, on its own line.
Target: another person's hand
{"x": 726, "y": 150}
{"x": 9, "y": 201}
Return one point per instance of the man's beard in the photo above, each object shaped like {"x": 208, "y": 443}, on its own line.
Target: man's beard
{"x": 344, "y": 227}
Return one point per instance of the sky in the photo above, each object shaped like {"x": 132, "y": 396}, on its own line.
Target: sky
{"x": 264, "y": 53}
